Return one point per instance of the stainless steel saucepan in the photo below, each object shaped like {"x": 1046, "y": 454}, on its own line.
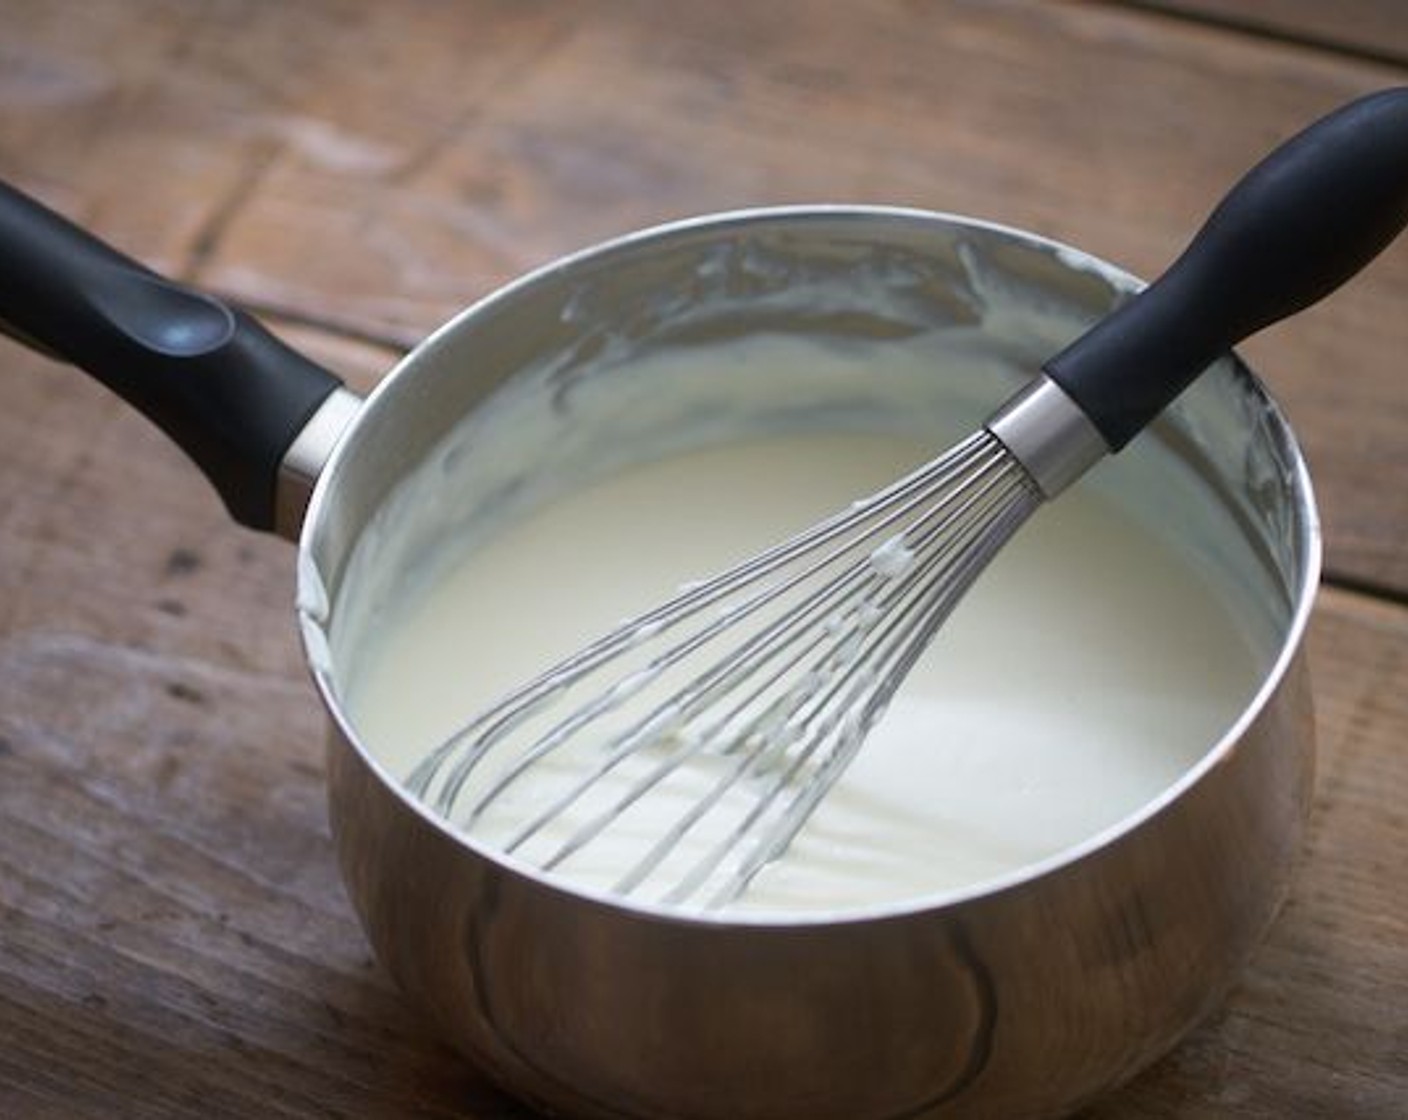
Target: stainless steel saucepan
{"x": 1022, "y": 998}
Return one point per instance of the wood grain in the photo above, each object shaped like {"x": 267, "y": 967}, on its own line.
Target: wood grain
{"x": 173, "y": 938}
{"x": 374, "y": 168}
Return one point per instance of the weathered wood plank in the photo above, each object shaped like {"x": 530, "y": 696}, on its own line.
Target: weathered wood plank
{"x": 173, "y": 939}
{"x": 376, "y": 167}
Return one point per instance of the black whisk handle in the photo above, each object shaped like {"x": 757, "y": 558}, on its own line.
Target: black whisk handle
{"x": 1297, "y": 226}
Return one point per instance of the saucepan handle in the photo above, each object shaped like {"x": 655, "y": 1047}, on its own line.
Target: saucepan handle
{"x": 230, "y": 394}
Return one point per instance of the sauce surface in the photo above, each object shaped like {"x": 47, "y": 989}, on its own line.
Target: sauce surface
{"x": 1086, "y": 671}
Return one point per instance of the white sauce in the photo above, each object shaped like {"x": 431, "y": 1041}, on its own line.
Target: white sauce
{"x": 1086, "y": 672}
{"x": 892, "y": 559}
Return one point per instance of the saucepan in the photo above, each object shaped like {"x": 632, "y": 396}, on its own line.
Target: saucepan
{"x": 1019, "y": 998}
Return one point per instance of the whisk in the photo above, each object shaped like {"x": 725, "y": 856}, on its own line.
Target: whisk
{"x": 739, "y": 703}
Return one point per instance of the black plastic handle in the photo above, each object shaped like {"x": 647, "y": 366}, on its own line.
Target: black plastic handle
{"x": 230, "y": 394}
{"x": 1300, "y": 223}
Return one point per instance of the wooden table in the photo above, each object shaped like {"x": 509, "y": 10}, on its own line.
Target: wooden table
{"x": 174, "y": 940}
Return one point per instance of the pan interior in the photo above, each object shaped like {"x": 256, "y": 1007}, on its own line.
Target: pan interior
{"x": 721, "y": 341}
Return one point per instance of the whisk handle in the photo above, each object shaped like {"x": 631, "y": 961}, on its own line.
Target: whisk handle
{"x": 1297, "y": 226}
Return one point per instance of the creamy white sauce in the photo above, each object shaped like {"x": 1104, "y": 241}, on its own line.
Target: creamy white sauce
{"x": 1085, "y": 673}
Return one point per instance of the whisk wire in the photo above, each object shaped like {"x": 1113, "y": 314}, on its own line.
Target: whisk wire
{"x": 888, "y": 657}
{"x": 828, "y": 624}
{"x": 478, "y": 737}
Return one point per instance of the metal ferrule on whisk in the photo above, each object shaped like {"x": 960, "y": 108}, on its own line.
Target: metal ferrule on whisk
{"x": 1049, "y": 434}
